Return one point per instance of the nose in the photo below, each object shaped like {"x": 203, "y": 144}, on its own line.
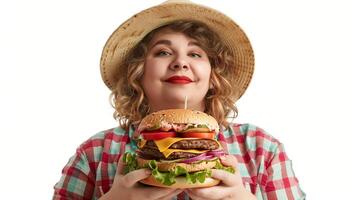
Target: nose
{"x": 179, "y": 64}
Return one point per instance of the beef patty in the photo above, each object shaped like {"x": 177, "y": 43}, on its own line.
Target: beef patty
{"x": 155, "y": 154}
{"x": 200, "y": 144}
{"x": 150, "y": 150}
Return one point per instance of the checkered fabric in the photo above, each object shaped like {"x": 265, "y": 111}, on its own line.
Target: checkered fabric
{"x": 263, "y": 164}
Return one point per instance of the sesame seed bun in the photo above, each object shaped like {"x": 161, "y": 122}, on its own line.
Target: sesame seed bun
{"x": 179, "y": 116}
{"x": 167, "y": 166}
{"x": 181, "y": 182}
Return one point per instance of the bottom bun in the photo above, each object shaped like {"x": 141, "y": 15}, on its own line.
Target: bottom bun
{"x": 181, "y": 183}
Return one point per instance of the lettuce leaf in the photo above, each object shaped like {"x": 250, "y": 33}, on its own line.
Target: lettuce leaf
{"x": 168, "y": 178}
{"x": 197, "y": 126}
{"x": 154, "y": 127}
{"x": 130, "y": 162}
{"x": 220, "y": 166}
{"x": 199, "y": 176}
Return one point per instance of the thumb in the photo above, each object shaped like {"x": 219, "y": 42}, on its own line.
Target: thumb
{"x": 135, "y": 176}
{"x": 132, "y": 177}
{"x": 229, "y": 160}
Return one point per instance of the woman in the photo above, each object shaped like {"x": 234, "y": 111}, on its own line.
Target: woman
{"x": 212, "y": 62}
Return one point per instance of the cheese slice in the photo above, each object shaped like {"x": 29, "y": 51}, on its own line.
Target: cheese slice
{"x": 164, "y": 145}
{"x": 168, "y": 152}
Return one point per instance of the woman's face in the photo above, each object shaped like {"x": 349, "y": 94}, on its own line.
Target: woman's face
{"x": 175, "y": 66}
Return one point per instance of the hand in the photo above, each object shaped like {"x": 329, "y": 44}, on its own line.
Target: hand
{"x": 127, "y": 186}
{"x": 231, "y": 186}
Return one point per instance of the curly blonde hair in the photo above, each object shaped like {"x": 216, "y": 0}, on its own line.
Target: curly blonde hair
{"x": 128, "y": 97}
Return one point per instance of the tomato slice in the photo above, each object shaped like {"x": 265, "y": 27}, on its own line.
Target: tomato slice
{"x": 157, "y": 135}
{"x": 209, "y": 135}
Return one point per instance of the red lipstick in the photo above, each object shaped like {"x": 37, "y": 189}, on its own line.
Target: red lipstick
{"x": 179, "y": 80}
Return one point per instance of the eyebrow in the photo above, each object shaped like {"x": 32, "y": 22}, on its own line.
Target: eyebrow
{"x": 194, "y": 43}
{"x": 169, "y": 43}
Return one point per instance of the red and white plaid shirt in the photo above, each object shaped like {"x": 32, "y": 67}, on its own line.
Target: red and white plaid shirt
{"x": 263, "y": 164}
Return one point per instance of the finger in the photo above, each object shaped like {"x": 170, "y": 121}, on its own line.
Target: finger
{"x": 216, "y": 192}
{"x": 171, "y": 195}
{"x": 131, "y": 178}
{"x": 120, "y": 166}
{"x": 157, "y": 192}
{"x": 194, "y": 196}
{"x": 229, "y": 160}
{"x": 227, "y": 178}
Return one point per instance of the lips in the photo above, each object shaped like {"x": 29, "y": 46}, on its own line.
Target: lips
{"x": 179, "y": 80}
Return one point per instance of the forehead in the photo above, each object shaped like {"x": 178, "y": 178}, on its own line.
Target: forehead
{"x": 169, "y": 34}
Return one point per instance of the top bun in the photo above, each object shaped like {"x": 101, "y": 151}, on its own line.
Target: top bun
{"x": 179, "y": 116}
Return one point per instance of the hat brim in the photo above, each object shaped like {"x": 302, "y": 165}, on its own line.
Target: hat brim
{"x": 132, "y": 31}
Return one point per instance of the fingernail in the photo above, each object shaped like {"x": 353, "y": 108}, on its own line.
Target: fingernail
{"x": 147, "y": 172}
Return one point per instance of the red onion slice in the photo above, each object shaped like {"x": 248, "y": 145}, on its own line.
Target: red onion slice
{"x": 198, "y": 158}
{"x": 216, "y": 153}
{"x": 205, "y": 156}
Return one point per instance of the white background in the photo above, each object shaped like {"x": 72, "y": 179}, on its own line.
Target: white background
{"x": 52, "y": 98}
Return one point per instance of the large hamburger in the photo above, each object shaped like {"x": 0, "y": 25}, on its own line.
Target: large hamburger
{"x": 180, "y": 147}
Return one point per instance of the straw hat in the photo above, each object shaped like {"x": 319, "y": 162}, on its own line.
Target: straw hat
{"x": 132, "y": 31}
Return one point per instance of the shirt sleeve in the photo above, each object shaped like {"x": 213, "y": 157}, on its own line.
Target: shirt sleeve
{"x": 281, "y": 182}
{"x": 77, "y": 181}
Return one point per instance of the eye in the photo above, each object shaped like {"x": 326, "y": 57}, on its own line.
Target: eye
{"x": 195, "y": 55}
{"x": 162, "y": 53}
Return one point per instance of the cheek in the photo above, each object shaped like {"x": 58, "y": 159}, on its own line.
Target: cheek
{"x": 204, "y": 73}
{"x": 153, "y": 69}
